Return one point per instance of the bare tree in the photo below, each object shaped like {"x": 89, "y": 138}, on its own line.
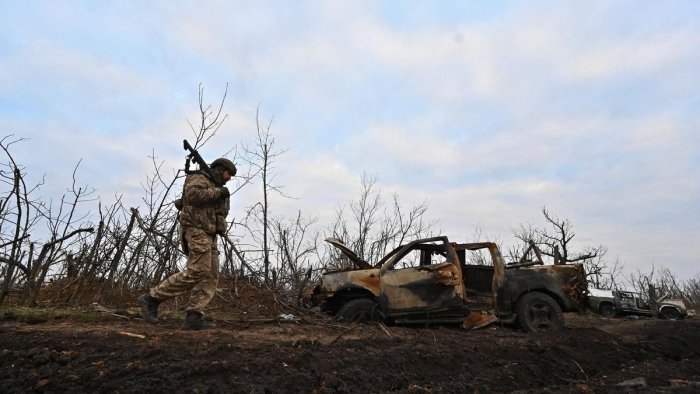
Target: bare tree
{"x": 19, "y": 212}
{"x": 482, "y": 256}
{"x": 664, "y": 282}
{"x": 262, "y": 157}
{"x": 295, "y": 247}
{"x": 23, "y": 215}
{"x": 691, "y": 291}
{"x": 559, "y": 240}
{"x": 555, "y": 241}
{"x": 603, "y": 275}
{"x": 372, "y": 229}
{"x": 526, "y": 233}
{"x": 365, "y": 212}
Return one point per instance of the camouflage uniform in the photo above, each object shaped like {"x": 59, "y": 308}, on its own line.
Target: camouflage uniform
{"x": 203, "y": 215}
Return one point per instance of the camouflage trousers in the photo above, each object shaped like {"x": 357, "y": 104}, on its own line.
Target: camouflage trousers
{"x": 200, "y": 276}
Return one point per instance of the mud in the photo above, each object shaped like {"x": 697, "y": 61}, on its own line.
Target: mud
{"x": 319, "y": 356}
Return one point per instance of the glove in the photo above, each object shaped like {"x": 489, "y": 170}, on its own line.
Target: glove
{"x": 224, "y": 193}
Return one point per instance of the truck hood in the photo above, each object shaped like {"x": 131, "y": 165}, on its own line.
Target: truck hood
{"x": 363, "y": 278}
{"x": 675, "y": 302}
{"x": 359, "y": 263}
{"x": 594, "y": 292}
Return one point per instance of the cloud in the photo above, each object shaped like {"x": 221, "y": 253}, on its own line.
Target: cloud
{"x": 585, "y": 108}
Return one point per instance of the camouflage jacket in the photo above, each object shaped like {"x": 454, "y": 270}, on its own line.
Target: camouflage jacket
{"x": 201, "y": 205}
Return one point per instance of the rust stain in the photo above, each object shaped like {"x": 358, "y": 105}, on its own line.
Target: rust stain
{"x": 370, "y": 282}
{"x": 448, "y": 276}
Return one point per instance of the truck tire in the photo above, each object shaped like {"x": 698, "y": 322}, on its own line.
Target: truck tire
{"x": 670, "y": 313}
{"x": 538, "y": 312}
{"x": 607, "y": 310}
{"x": 359, "y": 310}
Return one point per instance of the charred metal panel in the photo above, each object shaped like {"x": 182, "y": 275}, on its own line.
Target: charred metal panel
{"x": 359, "y": 263}
{"x": 478, "y": 278}
{"x": 567, "y": 282}
{"x": 498, "y": 276}
{"x": 491, "y": 280}
{"x": 366, "y": 279}
{"x": 428, "y": 287}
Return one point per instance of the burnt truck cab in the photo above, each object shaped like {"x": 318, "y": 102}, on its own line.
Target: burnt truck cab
{"x": 533, "y": 295}
{"x": 419, "y": 281}
{"x": 428, "y": 281}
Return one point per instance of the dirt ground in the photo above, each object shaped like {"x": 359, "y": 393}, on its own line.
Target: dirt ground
{"x": 316, "y": 355}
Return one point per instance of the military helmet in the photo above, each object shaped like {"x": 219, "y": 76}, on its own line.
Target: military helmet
{"x": 225, "y": 164}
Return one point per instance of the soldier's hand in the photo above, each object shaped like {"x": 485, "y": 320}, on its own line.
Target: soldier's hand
{"x": 224, "y": 193}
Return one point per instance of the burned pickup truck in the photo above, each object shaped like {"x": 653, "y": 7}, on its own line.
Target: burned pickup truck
{"x": 428, "y": 281}
{"x": 612, "y": 303}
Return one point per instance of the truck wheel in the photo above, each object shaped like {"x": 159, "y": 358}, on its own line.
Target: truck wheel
{"x": 670, "y": 313}
{"x": 606, "y": 310}
{"x": 361, "y": 309}
{"x": 538, "y": 312}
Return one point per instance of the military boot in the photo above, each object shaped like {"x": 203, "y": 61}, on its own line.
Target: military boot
{"x": 149, "y": 308}
{"x": 194, "y": 321}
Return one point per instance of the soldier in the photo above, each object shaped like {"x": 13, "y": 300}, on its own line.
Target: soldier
{"x": 203, "y": 210}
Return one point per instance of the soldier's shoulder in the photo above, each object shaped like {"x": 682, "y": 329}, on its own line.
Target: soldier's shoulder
{"x": 198, "y": 178}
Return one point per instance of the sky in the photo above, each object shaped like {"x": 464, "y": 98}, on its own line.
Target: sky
{"x": 485, "y": 111}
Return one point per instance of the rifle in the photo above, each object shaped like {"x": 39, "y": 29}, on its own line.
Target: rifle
{"x": 203, "y": 166}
